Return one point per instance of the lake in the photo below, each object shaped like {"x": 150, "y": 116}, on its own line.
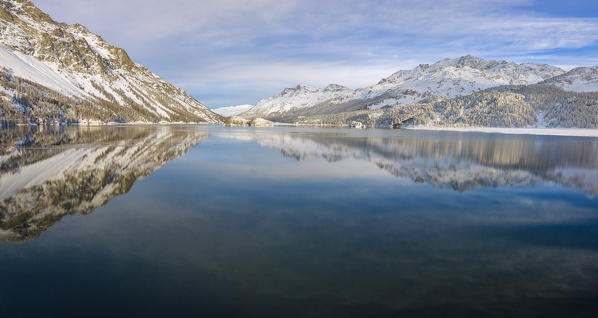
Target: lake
{"x": 296, "y": 222}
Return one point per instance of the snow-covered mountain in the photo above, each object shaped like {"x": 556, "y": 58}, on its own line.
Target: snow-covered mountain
{"x": 581, "y": 79}
{"x": 232, "y": 110}
{"x": 301, "y": 96}
{"x": 465, "y": 75}
{"x": 448, "y": 77}
{"x": 78, "y": 66}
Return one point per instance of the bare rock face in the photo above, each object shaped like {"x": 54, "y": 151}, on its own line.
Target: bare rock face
{"x": 72, "y": 62}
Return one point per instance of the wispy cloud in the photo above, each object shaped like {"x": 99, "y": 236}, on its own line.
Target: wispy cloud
{"x": 202, "y": 44}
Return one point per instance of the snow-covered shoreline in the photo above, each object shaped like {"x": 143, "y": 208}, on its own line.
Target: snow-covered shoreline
{"x": 573, "y": 132}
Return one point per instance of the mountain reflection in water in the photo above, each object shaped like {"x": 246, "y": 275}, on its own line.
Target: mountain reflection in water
{"x": 450, "y": 160}
{"x": 47, "y": 173}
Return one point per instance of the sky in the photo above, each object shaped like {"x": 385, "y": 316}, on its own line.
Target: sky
{"x": 232, "y": 52}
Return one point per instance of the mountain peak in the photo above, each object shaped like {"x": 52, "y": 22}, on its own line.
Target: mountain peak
{"x": 448, "y": 77}
{"x": 26, "y": 7}
{"x": 232, "y": 110}
{"x": 580, "y": 79}
{"x": 79, "y": 65}
{"x": 335, "y": 87}
{"x": 79, "y": 27}
{"x": 586, "y": 69}
{"x": 471, "y": 62}
{"x": 298, "y": 88}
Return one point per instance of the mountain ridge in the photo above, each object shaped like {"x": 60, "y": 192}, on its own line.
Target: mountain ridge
{"x": 231, "y": 110}
{"x": 580, "y": 79}
{"x": 462, "y": 92}
{"x": 448, "y": 77}
{"x": 80, "y": 65}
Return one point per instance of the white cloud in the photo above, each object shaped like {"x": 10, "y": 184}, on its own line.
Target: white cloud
{"x": 312, "y": 73}
{"x": 228, "y": 23}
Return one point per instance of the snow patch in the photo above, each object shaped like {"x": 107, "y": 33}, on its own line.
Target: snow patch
{"x": 30, "y": 68}
{"x": 232, "y": 110}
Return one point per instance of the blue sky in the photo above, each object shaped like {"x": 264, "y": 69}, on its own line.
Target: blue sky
{"x": 230, "y": 52}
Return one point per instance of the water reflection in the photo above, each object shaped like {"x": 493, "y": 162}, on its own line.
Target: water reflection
{"x": 46, "y": 173}
{"x": 455, "y": 161}
{"x": 235, "y": 229}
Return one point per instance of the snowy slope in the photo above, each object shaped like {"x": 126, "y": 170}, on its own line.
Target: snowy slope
{"x": 232, "y": 110}
{"x": 301, "y": 96}
{"x": 463, "y": 76}
{"x": 581, "y": 79}
{"x": 448, "y": 77}
{"x": 29, "y": 68}
{"x": 77, "y": 63}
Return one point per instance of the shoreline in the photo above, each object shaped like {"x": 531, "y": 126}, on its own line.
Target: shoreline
{"x": 571, "y": 132}
{"x": 566, "y": 132}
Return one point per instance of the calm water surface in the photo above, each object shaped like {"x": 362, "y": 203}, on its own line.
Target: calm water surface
{"x": 286, "y": 222}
